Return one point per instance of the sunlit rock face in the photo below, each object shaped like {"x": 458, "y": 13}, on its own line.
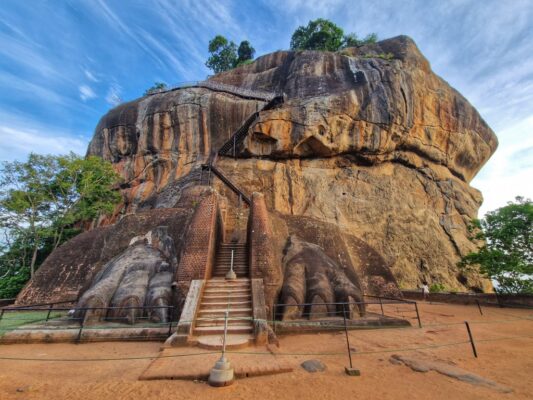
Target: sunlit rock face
{"x": 369, "y": 140}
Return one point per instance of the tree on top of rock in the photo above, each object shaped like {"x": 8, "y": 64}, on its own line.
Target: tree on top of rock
{"x": 225, "y": 55}
{"x": 245, "y": 53}
{"x": 322, "y": 34}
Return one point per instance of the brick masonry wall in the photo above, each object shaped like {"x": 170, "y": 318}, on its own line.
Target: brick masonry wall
{"x": 263, "y": 264}
{"x": 198, "y": 255}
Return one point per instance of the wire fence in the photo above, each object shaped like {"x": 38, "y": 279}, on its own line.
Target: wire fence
{"x": 382, "y": 312}
{"x": 338, "y": 315}
{"x": 410, "y": 347}
{"x": 113, "y": 323}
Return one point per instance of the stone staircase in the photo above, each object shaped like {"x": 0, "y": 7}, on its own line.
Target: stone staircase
{"x": 223, "y": 260}
{"x": 221, "y": 295}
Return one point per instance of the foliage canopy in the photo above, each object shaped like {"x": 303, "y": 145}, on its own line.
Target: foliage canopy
{"x": 322, "y": 34}
{"x": 506, "y": 253}
{"x": 41, "y": 202}
{"x": 224, "y": 54}
{"x": 156, "y": 87}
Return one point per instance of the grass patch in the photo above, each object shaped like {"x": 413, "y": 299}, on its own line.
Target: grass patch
{"x": 13, "y": 319}
{"x": 384, "y": 56}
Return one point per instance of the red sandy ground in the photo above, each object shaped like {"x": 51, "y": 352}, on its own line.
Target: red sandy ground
{"x": 507, "y": 361}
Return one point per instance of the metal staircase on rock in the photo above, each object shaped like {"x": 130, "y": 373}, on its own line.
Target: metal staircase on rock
{"x": 231, "y": 296}
{"x": 233, "y": 144}
{"x": 229, "y": 300}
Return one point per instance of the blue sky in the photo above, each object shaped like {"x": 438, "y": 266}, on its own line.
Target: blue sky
{"x": 63, "y": 63}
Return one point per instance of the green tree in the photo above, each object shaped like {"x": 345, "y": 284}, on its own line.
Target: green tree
{"x": 506, "y": 252}
{"x": 157, "y": 87}
{"x": 351, "y": 40}
{"x": 319, "y": 34}
{"x": 322, "y": 34}
{"x": 223, "y": 54}
{"x": 245, "y": 52}
{"x": 42, "y": 199}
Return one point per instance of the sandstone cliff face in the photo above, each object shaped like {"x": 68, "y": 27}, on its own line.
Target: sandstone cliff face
{"x": 381, "y": 150}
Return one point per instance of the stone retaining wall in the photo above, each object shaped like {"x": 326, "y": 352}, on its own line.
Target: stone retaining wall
{"x": 490, "y": 299}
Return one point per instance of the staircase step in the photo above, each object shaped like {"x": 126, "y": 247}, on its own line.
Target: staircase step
{"x": 223, "y": 285}
{"x": 227, "y": 299}
{"x": 217, "y": 321}
{"x": 209, "y": 330}
{"x": 226, "y": 291}
{"x": 225, "y": 305}
{"x": 219, "y": 312}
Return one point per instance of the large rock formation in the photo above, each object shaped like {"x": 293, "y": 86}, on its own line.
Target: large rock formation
{"x": 366, "y": 165}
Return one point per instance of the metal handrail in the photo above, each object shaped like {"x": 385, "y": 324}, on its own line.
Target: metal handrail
{"x": 276, "y": 313}
{"x": 217, "y": 86}
{"x": 9, "y": 307}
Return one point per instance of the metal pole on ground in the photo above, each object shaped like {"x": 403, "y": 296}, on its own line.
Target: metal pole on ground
{"x": 78, "y": 340}
{"x": 418, "y": 315}
{"x": 49, "y": 311}
{"x": 222, "y": 373}
{"x": 170, "y": 312}
{"x": 479, "y": 307}
{"x": 349, "y": 370}
{"x": 471, "y": 339}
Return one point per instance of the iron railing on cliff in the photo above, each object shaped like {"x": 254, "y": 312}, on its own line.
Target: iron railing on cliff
{"x": 253, "y": 94}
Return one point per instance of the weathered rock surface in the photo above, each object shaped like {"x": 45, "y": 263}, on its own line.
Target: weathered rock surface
{"x": 368, "y": 158}
{"x": 314, "y": 366}
{"x": 136, "y": 284}
{"x": 69, "y": 271}
{"x": 383, "y": 149}
{"x": 425, "y": 365}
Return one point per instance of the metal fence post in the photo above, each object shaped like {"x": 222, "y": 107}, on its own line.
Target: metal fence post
{"x": 274, "y": 318}
{"x": 169, "y": 314}
{"x": 381, "y": 305}
{"x": 2, "y": 314}
{"x": 471, "y": 339}
{"x": 81, "y": 327}
{"x": 479, "y": 307}
{"x": 418, "y": 315}
{"x": 49, "y": 311}
{"x": 346, "y": 332}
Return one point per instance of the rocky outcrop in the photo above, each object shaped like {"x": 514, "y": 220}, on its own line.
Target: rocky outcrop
{"x": 69, "y": 271}
{"x": 366, "y": 164}
{"x": 135, "y": 285}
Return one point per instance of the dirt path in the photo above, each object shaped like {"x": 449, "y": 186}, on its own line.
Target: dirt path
{"x": 507, "y": 361}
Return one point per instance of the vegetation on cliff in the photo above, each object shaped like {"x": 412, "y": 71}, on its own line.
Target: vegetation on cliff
{"x": 41, "y": 200}
{"x": 319, "y": 34}
{"x": 506, "y": 255}
{"x": 322, "y": 34}
{"x": 224, "y": 54}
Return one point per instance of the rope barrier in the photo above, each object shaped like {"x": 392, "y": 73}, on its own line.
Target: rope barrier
{"x": 323, "y": 354}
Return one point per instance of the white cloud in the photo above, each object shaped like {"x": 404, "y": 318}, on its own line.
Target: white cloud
{"x": 19, "y": 138}
{"x": 509, "y": 172}
{"x": 113, "y": 95}
{"x": 90, "y": 76}
{"x": 86, "y": 93}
